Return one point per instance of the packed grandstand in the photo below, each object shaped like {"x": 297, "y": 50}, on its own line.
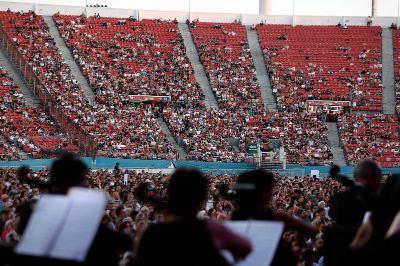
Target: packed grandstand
{"x": 321, "y": 102}
{"x": 122, "y": 58}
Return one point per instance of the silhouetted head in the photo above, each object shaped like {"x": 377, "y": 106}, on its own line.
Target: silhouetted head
{"x": 386, "y": 207}
{"x": 24, "y": 174}
{"x": 334, "y": 171}
{"x": 25, "y": 177}
{"x": 67, "y": 172}
{"x": 187, "y": 191}
{"x": 369, "y": 174}
{"x": 254, "y": 189}
{"x": 309, "y": 256}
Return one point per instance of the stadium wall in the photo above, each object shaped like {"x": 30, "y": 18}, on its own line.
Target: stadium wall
{"x": 216, "y": 17}
{"x": 150, "y": 14}
{"x": 49, "y": 10}
{"x": 255, "y": 19}
{"x": 153, "y": 165}
{"x": 168, "y": 166}
{"x": 345, "y": 170}
{"x": 111, "y": 12}
{"x": 16, "y": 6}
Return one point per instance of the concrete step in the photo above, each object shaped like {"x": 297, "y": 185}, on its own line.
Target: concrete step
{"x": 335, "y": 144}
{"x": 69, "y": 59}
{"x": 200, "y": 74}
{"x": 262, "y": 74}
{"x": 389, "y": 98}
{"x": 29, "y": 96}
{"x": 171, "y": 139}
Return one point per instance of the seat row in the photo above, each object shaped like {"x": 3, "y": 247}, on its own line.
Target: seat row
{"x": 371, "y": 136}
{"x": 104, "y": 122}
{"x": 226, "y": 136}
{"x": 324, "y": 63}
{"x": 224, "y": 51}
{"x": 27, "y": 128}
{"x": 122, "y": 58}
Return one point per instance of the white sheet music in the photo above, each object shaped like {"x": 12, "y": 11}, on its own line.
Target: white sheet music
{"x": 81, "y": 224}
{"x": 46, "y": 221}
{"x": 395, "y": 227}
{"x": 63, "y": 227}
{"x": 240, "y": 227}
{"x": 264, "y": 236}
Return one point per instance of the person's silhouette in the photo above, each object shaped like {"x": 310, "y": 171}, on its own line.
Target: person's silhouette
{"x": 182, "y": 239}
{"x": 254, "y": 191}
{"x": 66, "y": 172}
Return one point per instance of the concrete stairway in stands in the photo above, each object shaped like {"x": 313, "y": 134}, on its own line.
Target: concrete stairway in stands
{"x": 262, "y": 75}
{"x": 334, "y": 144}
{"x": 171, "y": 139}
{"x": 68, "y": 58}
{"x": 389, "y": 98}
{"x": 201, "y": 77}
{"x": 29, "y": 95}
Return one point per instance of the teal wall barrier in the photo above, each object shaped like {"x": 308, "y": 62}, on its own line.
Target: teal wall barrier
{"x": 101, "y": 162}
{"x": 344, "y": 170}
{"x": 109, "y": 163}
{"x": 209, "y": 167}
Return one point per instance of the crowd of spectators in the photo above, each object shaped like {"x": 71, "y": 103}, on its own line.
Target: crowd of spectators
{"x": 26, "y": 129}
{"x": 225, "y": 53}
{"x": 9, "y": 152}
{"x": 324, "y": 63}
{"x": 106, "y": 122}
{"x": 205, "y": 134}
{"x": 127, "y": 57}
{"x": 332, "y": 219}
{"x": 30, "y": 34}
{"x": 132, "y": 132}
{"x": 129, "y": 213}
{"x": 208, "y": 135}
{"x": 371, "y": 136}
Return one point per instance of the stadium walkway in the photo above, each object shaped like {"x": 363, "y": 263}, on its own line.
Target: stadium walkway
{"x": 334, "y": 144}
{"x": 171, "y": 139}
{"x": 201, "y": 77}
{"x": 69, "y": 60}
{"x": 388, "y": 98}
{"x": 262, "y": 75}
{"x": 12, "y": 69}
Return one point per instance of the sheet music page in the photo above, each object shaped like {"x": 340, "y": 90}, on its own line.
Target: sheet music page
{"x": 81, "y": 225}
{"x": 239, "y": 227}
{"x": 44, "y": 225}
{"x": 264, "y": 237}
{"x": 395, "y": 227}
{"x": 367, "y": 215}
